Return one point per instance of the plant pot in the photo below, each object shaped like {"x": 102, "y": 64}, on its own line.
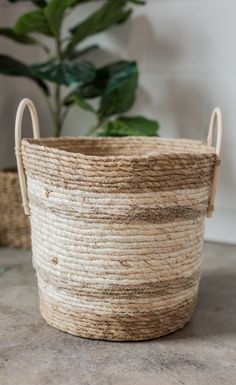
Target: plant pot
{"x": 14, "y": 226}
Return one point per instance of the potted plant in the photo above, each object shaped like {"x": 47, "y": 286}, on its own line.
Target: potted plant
{"x": 66, "y": 79}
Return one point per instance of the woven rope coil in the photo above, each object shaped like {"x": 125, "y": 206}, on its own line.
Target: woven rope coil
{"x": 117, "y": 232}
{"x": 14, "y": 226}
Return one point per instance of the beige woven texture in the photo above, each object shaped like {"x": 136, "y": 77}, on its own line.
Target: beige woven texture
{"x": 14, "y": 225}
{"x": 117, "y": 232}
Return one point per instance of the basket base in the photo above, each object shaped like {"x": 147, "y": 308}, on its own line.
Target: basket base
{"x": 115, "y": 328}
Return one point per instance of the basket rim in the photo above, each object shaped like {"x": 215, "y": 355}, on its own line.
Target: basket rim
{"x": 201, "y": 147}
{"x": 9, "y": 171}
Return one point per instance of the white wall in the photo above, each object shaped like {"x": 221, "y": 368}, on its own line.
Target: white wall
{"x": 187, "y": 59}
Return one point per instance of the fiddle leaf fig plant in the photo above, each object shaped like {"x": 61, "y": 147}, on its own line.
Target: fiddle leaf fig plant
{"x": 65, "y": 77}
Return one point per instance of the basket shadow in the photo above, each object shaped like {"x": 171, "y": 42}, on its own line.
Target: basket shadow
{"x": 215, "y": 312}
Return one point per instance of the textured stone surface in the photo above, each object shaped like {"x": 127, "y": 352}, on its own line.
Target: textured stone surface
{"x": 204, "y": 352}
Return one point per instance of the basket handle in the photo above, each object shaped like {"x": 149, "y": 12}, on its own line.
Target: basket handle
{"x": 18, "y": 130}
{"x": 215, "y": 129}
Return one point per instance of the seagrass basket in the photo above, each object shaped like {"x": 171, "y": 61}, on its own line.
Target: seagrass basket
{"x": 14, "y": 225}
{"x": 117, "y": 228}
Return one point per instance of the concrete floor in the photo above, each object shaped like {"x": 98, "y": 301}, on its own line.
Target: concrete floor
{"x": 33, "y": 353}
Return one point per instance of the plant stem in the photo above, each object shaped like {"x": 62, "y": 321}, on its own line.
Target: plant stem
{"x": 57, "y": 95}
{"x": 98, "y": 124}
{"x": 64, "y": 114}
{"x": 57, "y": 101}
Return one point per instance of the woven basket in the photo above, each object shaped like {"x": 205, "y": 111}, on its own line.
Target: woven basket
{"x": 117, "y": 228}
{"x": 14, "y": 225}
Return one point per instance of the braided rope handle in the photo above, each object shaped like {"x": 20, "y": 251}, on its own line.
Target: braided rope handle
{"x": 18, "y": 130}
{"x": 215, "y": 129}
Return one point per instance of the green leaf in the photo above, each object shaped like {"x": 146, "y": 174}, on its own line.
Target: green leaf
{"x": 79, "y": 101}
{"x": 64, "y": 73}
{"x": 104, "y": 75}
{"x": 125, "y": 16}
{"x": 39, "y": 3}
{"x": 76, "y": 2}
{"x": 130, "y": 126}
{"x": 112, "y": 12}
{"x": 54, "y": 12}
{"x": 11, "y": 34}
{"x": 137, "y": 2}
{"x": 23, "y": 39}
{"x": 94, "y": 88}
{"x": 119, "y": 93}
{"x": 76, "y": 54}
{"x": 12, "y": 67}
{"x": 35, "y": 21}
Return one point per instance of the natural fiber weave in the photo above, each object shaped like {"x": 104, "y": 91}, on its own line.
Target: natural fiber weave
{"x": 14, "y": 225}
{"x": 117, "y": 232}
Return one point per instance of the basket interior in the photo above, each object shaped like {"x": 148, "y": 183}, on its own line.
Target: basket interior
{"x": 125, "y": 146}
